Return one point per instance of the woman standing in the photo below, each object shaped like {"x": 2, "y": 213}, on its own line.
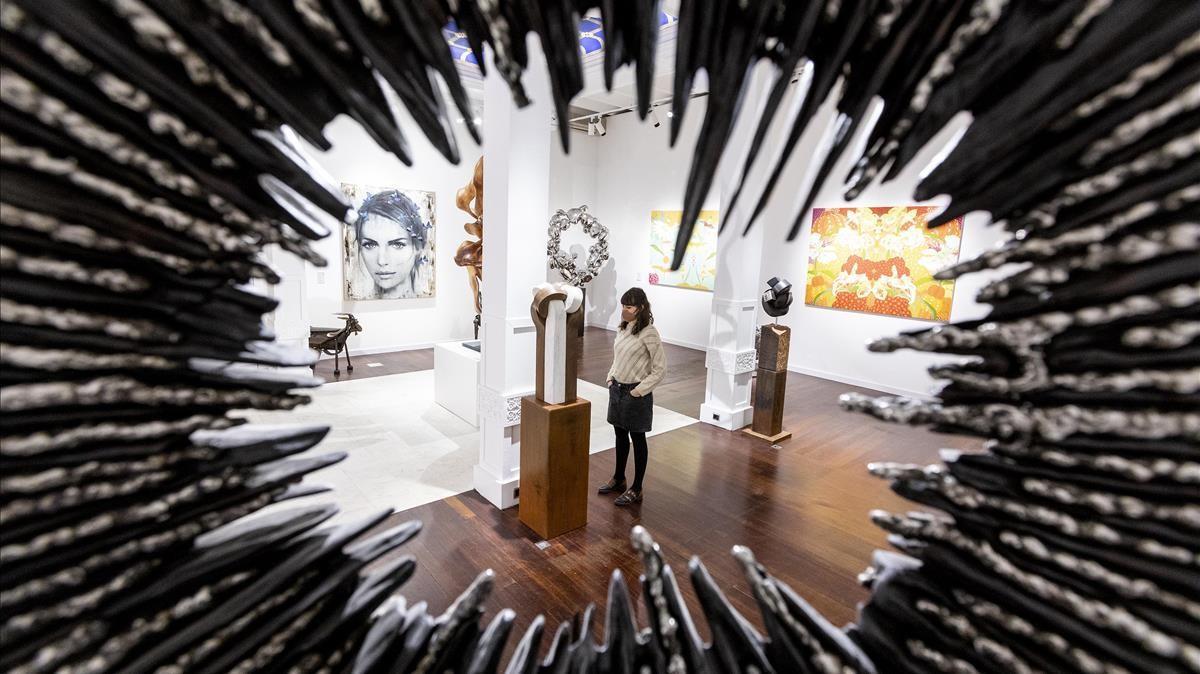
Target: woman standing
{"x": 639, "y": 364}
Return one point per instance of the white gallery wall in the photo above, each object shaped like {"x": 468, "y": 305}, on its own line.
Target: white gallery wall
{"x": 635, "y": 171}
{"x": 572, "y": 184}
{"x": 622, "y": 177}
{"x": 831, "y": 343}
{"x": 573, "y": 177}
{"x": 392, "y": 325}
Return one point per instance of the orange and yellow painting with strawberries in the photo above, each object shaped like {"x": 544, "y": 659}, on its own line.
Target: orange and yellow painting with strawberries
{"x": 881, "y": 261}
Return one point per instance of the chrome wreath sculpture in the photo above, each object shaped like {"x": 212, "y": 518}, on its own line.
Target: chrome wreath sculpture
{"x": 149, "y": 154}
{"x": 567, "y": 265}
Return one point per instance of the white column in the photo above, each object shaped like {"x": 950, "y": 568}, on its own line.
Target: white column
{"x": 731, "y": 357}
{"x": 516, "y": 197}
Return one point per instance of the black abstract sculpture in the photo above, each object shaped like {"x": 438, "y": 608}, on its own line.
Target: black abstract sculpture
{"x": 777, "y": 298}
{"x": 148, "y": 154}
{"x": 332, "y": 341}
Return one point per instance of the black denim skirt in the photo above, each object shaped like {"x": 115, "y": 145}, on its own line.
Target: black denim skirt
{"x": 629, "y": 412}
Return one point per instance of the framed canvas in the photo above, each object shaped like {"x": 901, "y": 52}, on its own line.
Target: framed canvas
{"x": 388, "y": 243}
{"x": 699, "y": 269}
{"x": 881, "y": 261}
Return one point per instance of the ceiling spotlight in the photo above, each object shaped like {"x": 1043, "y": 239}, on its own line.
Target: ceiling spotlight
{"x": 670, "y": 113}
{"x": 591, "y": 127}
{"x": 654, "y": 118}
{"x": 476, "y": 120}
{"x": 600, "y": 127}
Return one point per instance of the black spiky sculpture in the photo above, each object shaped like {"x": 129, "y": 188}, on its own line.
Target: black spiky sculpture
{"x": 148, "y": 154}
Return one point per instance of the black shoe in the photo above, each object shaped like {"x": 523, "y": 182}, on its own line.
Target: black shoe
{"x": 612, "y": 487}
{"x": 629, "y": 498}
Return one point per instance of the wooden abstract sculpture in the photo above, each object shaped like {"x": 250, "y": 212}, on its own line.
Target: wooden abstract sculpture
{"x": 470, "y": 252}
{"x": 148, "y": 154}
{"x": 332, "y": 341}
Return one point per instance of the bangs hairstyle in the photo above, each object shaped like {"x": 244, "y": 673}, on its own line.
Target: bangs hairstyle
{"x": 636, "y": 297}
{"x": 395, "y": 206}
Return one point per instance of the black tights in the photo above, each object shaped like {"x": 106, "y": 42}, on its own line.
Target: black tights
{"x": 639, "y": 456}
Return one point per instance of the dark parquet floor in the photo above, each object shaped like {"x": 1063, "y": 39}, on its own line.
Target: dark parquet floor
{"x": 803, "y": 509}
{"x": 396, "y": 362}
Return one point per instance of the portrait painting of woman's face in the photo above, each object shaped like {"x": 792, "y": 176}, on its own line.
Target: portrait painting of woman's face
{"x": 388, "y": 244}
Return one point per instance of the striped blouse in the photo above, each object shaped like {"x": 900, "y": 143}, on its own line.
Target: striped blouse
{"x": 639, "y": 358}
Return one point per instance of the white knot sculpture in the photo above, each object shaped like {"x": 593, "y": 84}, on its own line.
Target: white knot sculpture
{"x": 567, "y": 264}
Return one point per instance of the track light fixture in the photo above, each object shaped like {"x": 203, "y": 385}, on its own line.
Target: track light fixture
{"x": 654, "y": 118}
{"x": 600, "y": 126}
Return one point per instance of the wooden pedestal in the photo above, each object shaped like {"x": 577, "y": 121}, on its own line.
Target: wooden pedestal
{"x": 554, "y": 465}
{"x": 770, "y": 384}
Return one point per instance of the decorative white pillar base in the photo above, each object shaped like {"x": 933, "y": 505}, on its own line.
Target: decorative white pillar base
{"x": 730, "y": 420}
{"x": 728, "y": 388}
{"x": 501, "y": 493}
{"x": 497, "y": 474}
{"x": 727, "y": 401}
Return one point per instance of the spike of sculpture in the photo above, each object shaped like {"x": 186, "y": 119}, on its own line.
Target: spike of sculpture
{"x": 149, "y": 152}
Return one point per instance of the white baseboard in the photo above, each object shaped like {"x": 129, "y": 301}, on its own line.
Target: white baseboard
{"x": 822, "y": 374}
{"x": 689, "y": 345}
{"x": 863, "y": 383}
{"x": 676, "y": 342}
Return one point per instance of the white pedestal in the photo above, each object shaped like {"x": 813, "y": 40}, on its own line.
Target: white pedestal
{"x": 456, "y": 380}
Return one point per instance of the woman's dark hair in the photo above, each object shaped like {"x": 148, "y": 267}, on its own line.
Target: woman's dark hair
{"x": 393, "y": 205}
{"x": 636, "y": 297}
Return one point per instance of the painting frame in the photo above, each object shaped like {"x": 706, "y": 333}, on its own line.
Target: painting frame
{"x": 881, "y": 260}
{"x": 699, "y": 269}
{"x": 389, "y": 243}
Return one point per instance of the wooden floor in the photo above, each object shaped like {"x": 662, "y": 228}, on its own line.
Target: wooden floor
{"x": 682, "y": 390}
{"x": 396, "y": 362}
{"x": 803, "y": 509}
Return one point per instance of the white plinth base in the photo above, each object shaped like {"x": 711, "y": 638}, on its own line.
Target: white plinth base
{"x": 456, "y": 380}
{"x": 730, "y": 420}
{"x": 501, "y": 493}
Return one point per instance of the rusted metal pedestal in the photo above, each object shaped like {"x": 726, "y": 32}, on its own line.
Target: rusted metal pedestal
{"x": 771, "y": 381}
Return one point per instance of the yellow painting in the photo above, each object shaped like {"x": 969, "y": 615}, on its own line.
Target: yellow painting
{"x": 699, "y": 268}
{"x": 881, "y": 261}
